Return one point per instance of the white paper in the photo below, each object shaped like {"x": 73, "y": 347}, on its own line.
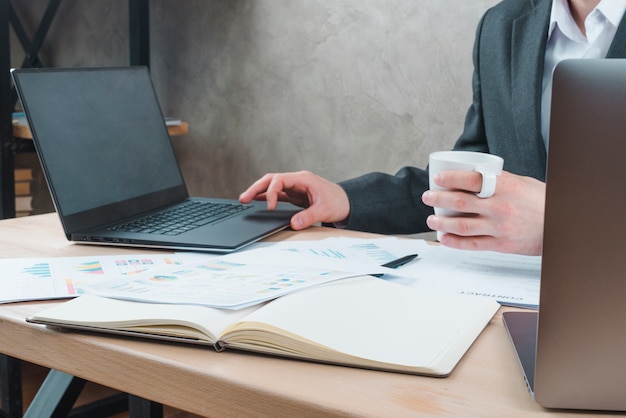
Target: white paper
{"x": 511, "y": 279}
{"x": 375, "y": 251}
{"x": 234, "y": 281}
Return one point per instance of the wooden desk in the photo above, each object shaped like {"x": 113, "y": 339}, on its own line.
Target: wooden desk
{"x": 23, "y": 131}
{"x": 487, "y": 382}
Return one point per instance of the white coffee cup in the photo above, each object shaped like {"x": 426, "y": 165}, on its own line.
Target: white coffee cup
{"x": 488, "y": 165}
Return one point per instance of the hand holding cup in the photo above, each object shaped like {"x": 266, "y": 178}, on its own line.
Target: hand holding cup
{"x": 488, "y": 165}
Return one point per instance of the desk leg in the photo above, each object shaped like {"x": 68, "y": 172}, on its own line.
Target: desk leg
{"x": 56, "y": 396}
{"x": 7, "y": 185}
{"x": 143, "y": 408}
{"x": 11, "y": 386}
{"x": 59, "y": 391}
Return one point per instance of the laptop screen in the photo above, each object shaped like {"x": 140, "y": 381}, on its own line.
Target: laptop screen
{"x": 100, "y": 135}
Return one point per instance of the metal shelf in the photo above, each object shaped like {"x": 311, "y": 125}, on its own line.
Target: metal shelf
{"x": 139, "y": 54}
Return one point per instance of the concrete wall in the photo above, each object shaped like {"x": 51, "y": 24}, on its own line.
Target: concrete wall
{"x": 339, "y": 87}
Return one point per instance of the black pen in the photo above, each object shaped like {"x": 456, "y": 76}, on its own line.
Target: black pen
{"x": 394, "y": 264}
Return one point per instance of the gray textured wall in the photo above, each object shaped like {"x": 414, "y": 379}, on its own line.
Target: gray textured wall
{"x": 339, "y": 87}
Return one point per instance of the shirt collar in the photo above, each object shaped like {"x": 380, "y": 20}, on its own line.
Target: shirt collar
{"x": 612, "y": 10}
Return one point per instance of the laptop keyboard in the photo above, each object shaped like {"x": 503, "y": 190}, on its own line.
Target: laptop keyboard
{"x": 181, "y": 218}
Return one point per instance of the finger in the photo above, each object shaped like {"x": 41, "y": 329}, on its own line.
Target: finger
{"x": 247, "y": 196}
{"x": 470, "y": 181}
{"x": 260, "y": 197}
{"x": 257, "y": 188}
{"x": 443, "y": 224}
{"x": 269, "y": 188}
{"x": 462, "y": 226}
{"x": 304, "y": 219}
{"x": 275, "y": 189}
{"x": 474, "y": 243}
{"x": 463, "y": 202}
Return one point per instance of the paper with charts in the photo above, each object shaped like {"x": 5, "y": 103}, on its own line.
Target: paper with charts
{"x": 230, "y": 282}
{"x": 64, "y": 277}
{"x": 511, "y": 279}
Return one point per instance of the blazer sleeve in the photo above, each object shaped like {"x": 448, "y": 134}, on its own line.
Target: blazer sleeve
{"x": 388, "y": 204}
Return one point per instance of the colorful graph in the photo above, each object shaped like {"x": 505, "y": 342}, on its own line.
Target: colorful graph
{"x": 136, "y": 266}
{"x": 373, "y": 252}
{"x": 71, "y": 288}
{"x": 327, "y": 252}
{"x": 41, "y": 270}
{"x": 90, "y": 267}
{"x": 220, "y": 265}
{"x": 163, "y": 278}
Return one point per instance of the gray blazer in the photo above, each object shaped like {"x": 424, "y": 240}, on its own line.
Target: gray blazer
{"x": 504, "y": 118}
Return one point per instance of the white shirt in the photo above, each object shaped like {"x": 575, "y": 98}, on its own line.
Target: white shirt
{"x": 565, "y": 40}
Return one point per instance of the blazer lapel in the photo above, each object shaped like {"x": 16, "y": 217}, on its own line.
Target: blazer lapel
{"x": 527, "y": 56}
{"x": 618, "y": 46}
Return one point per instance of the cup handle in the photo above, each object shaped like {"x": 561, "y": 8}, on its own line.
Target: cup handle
{"x": 489, "y": 184}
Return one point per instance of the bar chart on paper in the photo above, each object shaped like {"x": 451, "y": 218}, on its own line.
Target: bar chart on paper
{"x": 220, "y": 283}
{"x": 377, "y": 251}
{"x": 64, "y": 277}
{"x": 38, "y": 270}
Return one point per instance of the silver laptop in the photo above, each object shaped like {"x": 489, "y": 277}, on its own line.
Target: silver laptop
{"x": 574, "y": 351}
{"x": 111, "y": 168}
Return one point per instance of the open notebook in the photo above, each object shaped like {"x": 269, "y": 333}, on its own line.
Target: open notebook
{"x": 361, "y": 322}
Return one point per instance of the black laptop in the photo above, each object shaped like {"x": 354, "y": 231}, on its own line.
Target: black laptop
{"x": 573, "y": 352}
{"x": 111, "y": 168}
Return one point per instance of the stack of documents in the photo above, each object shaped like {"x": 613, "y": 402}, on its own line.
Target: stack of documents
{"x": 511, "y": 280}
{"x": 311, "y": 300}
{"x": 232, "y": 281}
